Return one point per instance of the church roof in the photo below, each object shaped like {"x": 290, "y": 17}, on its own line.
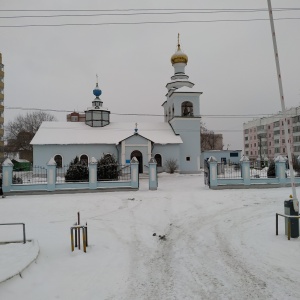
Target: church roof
{"x": 68, "y": 133}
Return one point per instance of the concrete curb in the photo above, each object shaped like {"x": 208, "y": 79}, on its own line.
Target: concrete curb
{"x": 33, "y": 256}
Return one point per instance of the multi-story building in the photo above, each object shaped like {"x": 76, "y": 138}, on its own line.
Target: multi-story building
{"x": 265, "y": 137}
{"x": 1, "y": 108}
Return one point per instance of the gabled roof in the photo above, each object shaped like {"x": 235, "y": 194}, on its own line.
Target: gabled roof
{"x": 70, "y": 133}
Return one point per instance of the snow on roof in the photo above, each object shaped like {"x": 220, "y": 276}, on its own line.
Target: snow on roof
{"x": 66, "y": 133}
{"x": 185, "y": 89}
{"x": 20, "y": 160}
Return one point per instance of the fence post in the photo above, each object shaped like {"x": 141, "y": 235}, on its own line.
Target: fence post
{"x": 93, "y": 173}
{"x": 280, "y": 168}
{"x": 245, "y": 169}
{"x": 213, "y": 175}
{"x": 134, "y": 166}
{"x": 152, "y": 174}
{"x": 7, "y": 173}
{"x": 51, "y": 175}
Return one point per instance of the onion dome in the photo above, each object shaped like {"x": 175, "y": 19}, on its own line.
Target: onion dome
{"x": 179, "y": 56}
{"x": 97, "y": 92}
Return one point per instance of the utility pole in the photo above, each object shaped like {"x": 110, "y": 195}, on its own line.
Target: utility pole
{"x": 288, "y": 146}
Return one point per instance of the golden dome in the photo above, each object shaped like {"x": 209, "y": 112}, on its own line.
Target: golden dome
{"x": 179, "y": 56}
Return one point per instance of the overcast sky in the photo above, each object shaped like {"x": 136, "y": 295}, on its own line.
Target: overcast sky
{"x": 232, "y": 63}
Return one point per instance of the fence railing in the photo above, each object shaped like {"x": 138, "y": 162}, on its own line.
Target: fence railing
{"x": 228, "y": 171}
{"x": 258, "y": 173}
{"x": 35, "y": 176}
{"x": 114, "y": 172}
{"x": 72, "y": 173}
{"x": 24, "y": 232}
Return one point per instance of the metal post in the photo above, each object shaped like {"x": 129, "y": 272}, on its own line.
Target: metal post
{"x": 83, "y": 239}
{"x": 72, "y": 240}
{"x": 75, "y": 236}
{"x": 296, "y": 202}
{"x": 289, "y": 228}
{"x": 276, "y": 224}
{"x": 24, "y": 234}
{"x": 86, "y": 234}
{"x": 78, "y": 216}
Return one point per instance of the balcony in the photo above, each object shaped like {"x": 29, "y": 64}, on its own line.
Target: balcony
{"x": 1, "y": 107}
{"x": 1, "y": 96}
{"x": 1, "y": 85}
{"x": 1, "y": 74}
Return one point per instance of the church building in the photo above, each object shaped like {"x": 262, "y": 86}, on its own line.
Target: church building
{"x": 92, "y": 134}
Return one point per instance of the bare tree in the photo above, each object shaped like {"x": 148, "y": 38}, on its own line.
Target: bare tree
{"x": 20, "y": 131}
{"x": 210, "y": 140}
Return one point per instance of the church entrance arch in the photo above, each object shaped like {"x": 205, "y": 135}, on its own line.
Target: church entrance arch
{"x": 139, "y": 157}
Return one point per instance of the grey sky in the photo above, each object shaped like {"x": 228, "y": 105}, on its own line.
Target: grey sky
{"x": 232, "y": 63}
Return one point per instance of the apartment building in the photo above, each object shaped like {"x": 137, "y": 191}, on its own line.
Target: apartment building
{"x": 1, "y": 109}
{"x": 265, "y": 137}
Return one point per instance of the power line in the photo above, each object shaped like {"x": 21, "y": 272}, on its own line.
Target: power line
{"x": 146, "y": 9}
{"x": 145, "y": 22}
{"x": 137, "y": 13}
{"x": 146, "y": 115}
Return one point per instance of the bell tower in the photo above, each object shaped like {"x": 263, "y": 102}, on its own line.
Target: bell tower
{"x": 182, "y": 111}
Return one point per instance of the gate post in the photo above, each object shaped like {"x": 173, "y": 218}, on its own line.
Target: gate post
{"x": 93, "y": 173}
{"x": 7, "y": 173}
{"x": 245, "y": 169}
{"x": 134, "y": 166}
{"x": 213, "y": 176}
{"x": 153, "y": 182}
{"x": 280, "y": 168}
{"x": 51, "y": 175}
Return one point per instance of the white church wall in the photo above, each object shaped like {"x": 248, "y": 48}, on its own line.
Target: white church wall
{"x": 43, "y": 153}
{"x": 170, "y": 151}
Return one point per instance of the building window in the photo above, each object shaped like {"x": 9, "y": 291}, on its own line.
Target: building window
{"x": 283, "y": 141}
{"x": 188, "y": 158}
{"x": 246, "y": 138}
{"x": 58, "y": 160}
{"x": 283, "y": 150}
{"x": 84, "y": 160}
{"x": 234, "y": 154}
{"x": 187, "y": 109}
{"x": 269, "y": 127}
{"x": 157, "y": 157}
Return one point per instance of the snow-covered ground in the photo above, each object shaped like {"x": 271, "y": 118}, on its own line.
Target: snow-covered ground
{"x": 219, "y": 244}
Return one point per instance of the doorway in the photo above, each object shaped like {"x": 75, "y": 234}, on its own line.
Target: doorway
{"x": 139, "y": 157}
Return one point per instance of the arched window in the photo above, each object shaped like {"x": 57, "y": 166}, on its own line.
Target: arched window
{"x": 157, "y": 157}
{"x": 58, "y": 160}
{"x": 84, "y": 160}
{"x": 187, "y": 109}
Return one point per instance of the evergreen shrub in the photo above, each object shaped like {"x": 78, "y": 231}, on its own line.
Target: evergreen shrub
{"x": 77, "y": 171}
{"x": 107, "y": 168}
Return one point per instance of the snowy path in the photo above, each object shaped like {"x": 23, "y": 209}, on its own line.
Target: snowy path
{"x": 219, "y": 244}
